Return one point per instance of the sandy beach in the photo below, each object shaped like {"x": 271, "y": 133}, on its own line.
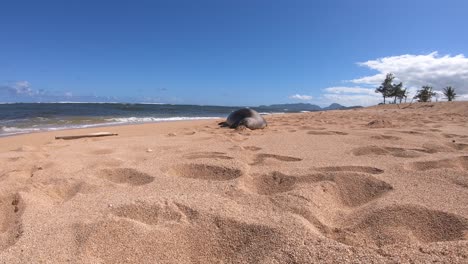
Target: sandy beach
{"x": 384, "y": 184}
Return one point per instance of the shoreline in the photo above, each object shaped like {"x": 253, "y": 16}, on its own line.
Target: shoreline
{"x": 121, "y": 129}
{"x": 104, "y": 125}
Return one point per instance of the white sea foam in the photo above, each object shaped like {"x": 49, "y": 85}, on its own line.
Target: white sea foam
{"x": 17, "y": 129}
{"x": 8, "y": 131}
{"x": 12, "y": 130}
{"x": 271, "y": 113}
{"x": 155, "y": 119}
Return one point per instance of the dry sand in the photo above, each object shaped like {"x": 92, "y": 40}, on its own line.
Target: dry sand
{"x": 376, "y": 185}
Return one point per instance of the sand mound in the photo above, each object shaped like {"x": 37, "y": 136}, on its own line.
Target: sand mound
{"x": 349, "y": 188}
{"x": 403, "y": 224}
{"x": 459, "y": 163}
{"x": 358, "y": 189}
{"x": 269, "y": 184}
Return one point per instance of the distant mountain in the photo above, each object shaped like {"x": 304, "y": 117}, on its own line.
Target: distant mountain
{"x": 303, "y": 107}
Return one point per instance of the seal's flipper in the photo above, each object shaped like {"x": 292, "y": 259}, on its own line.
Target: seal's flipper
{"x": 236, "y": 124}
{"x": 223, "y": 124}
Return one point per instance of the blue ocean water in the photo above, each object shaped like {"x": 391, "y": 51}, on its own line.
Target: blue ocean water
{"x": 20, "y": 118}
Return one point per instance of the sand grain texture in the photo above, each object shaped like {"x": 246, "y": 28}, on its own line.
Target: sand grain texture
{"x": 384, "y": 184}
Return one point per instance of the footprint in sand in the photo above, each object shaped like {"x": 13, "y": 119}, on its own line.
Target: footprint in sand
{"x": 458, "y": 163}
{"x": 163, "y": 228}
{"x": 327, "y": 133}
{"x": 349, "y": 188}
{"x": 454, "y": 136}
{"x": 458, "y": 146}
{"x": 311, "y": 128}
{"x": 63, "y": 190}
{"x": 461, "y": 181}
{"x": 261, "y": 158}
{"x": 392, "y": 151}
{"x": 385, "y": 137}
{"x": 208, "y": 155}
{"x": 411, "y": 132}
{"x": 155, "y": 214}
{"x": 11, "y": 210}
{"x": 364, "y": 169}
{"x": 102, "y": 151}
{"x": 252, "y": 148}
{"x": 400, "y": 223}
{"x": 126, "y": 176}
{"x": 205, "y": 172}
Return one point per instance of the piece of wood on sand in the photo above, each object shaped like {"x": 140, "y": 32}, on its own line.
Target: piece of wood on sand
{"x": 99, "y": 134}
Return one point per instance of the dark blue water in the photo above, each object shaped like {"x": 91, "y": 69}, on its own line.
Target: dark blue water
{"x": 33, "y": 117}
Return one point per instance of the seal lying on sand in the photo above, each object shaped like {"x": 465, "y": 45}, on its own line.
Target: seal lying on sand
{"x": 245, "y": 118}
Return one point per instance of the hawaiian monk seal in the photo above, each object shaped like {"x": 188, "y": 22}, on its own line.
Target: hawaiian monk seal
{"x": 245, "y": 117}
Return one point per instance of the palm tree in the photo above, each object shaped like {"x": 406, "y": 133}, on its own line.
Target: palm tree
{"x": 449, "y": 93}
{"x": 398, "y": 92}
{"x": 425, "y": 94}
{"x": 386, "y": 89}
{"x": 402, "y": 93}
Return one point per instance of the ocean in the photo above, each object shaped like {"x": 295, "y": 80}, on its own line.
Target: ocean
{"x": 21, "y": 118}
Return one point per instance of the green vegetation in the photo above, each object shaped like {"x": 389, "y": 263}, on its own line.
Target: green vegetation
{"x": 388, "y": 90}
{"x": 399, "y": 93}
{"x": 449, "y": 93}
{"x": 425, "y": 94}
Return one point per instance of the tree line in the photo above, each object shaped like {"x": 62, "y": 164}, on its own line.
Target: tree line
{"x": 388, "y": 89}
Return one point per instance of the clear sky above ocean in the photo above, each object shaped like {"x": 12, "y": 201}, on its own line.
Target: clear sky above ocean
{"x": 228, "y": 52}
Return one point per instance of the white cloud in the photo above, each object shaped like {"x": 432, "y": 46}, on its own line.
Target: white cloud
{"x": 23, "y": 87}
{"x": 349, "y": 90}
{"x": 18, "y": 88}
{"x": 351, "y": 99}
{"x": 413, "y": 70}
{"x": 301, "y": 97}
{"x": 418, "y": 70}
{"x": 23, "y": 84}
{"x": 350, "y": 96}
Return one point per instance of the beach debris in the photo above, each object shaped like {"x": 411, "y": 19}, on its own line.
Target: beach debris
{"x": 149, "y": 150}
{"x": 99, "y": 134}
{"x": 172, "y": 134}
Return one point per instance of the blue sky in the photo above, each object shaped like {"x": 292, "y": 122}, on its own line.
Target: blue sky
{"x": 228, "y": 52}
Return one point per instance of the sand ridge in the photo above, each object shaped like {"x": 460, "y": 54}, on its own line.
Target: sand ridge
{"x": 384, "y": 184}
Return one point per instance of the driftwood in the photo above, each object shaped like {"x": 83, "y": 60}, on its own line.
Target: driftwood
{"x": 99, "y": 134}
